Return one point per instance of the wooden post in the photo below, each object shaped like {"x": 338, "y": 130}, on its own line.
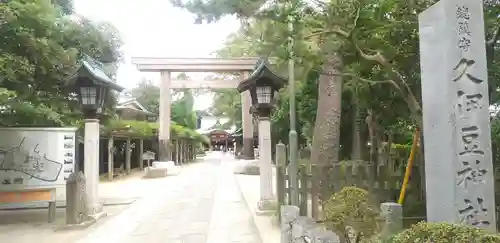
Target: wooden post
{"x": 179, "y": 151}
{"x": 303, "y": 192}
{"x": 127, "y": 156}
{"x": 141, "y": 152}
{"x": 193, "y": 153}
{"x": 175, "y": 151}
{"x": 280, "y": 175}
{"x": 190, "y": 156}
{"x": 315, "y": 172}
{"x": 111, "y": 158}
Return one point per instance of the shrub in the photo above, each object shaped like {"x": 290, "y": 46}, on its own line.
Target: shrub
{"x": 351, "y": 208}
{"x": 424, "y": 232}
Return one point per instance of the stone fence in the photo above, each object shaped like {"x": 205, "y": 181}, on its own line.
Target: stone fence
{"x": 302, "y": 229}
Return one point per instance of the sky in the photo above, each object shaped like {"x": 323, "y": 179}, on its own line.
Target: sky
{"x": 154, "y": 28}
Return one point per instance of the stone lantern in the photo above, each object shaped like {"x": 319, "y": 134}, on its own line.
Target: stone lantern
{"x": 91, "y": 85}
{"x": 263, "y": 85}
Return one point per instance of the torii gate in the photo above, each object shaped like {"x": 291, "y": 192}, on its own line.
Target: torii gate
{"x": 165, "y": 66}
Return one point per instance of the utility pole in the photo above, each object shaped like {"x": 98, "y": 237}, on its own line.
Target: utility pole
{"x": 292, "y": 136}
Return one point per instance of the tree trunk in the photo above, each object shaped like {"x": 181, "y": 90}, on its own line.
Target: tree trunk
{"x": 356, "y": 148}
{"x": 326, "y": 136}
{"x": 371, "y": 122}
{"x": 325, "y": 145}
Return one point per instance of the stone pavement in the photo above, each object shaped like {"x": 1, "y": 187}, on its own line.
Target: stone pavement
{"x": 201, "y": 205}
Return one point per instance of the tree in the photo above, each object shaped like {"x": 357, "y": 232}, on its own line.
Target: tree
{"x": 182, "y": 109}
{"x": 148, "y": 95}
{"x": 40, "y": 47}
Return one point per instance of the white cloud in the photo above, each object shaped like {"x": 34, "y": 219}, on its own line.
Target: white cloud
{"x": 155, "y": 28}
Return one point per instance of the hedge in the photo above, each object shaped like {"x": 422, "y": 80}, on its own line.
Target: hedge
{"x": 445, "y": 233}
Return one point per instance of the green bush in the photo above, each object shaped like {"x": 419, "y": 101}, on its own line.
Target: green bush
{"x": 444, "y": 233}
{"x": 352, "y": 208}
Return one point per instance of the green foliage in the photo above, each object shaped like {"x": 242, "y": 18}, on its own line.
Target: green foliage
{"x": 39, "y": 48}
{"x": 351, "y": 208}
{"x": 379, "y": 45}
{"x": 182, "y": 109}
{"x": 183, "y": 112}
{"x": 148, "y": 95}
{"x": 445, "y": 233}
{"x": 144, "y": 129}
{"x": 130, "y": 127}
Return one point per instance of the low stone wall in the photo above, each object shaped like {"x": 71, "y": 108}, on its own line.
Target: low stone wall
{"x": 300, "y": 229}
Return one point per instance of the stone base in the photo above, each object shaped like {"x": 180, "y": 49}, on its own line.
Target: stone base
{"x": 92, "y": 219}
{"x": 95, "y": 217}
{"x": 250, "y": 167}
{"x": 266, "y": 207}
{"x": 152, "y": 172}
{"x": 82, "y": 225}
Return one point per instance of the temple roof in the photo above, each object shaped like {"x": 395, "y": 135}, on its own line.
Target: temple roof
{"x": 94, "y": 70}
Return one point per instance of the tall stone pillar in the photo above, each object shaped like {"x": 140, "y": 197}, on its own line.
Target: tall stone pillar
{"x": 246, "y": 103}
{"x": 164, "y": 133}
{"x": 266, "y": 185}
{"x": 456, "y": 121}
{"x": 91, "y": 168}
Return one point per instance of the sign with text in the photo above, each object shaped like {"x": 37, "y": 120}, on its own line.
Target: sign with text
{"x": 36, "y": 157}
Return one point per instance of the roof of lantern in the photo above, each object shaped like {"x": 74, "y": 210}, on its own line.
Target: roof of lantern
{"x": 93, "y": 70}
{"x": 262, "y": 72}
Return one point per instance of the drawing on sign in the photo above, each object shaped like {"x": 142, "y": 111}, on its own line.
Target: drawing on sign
{"x": 18, "y": 180}
{"x": 33, "y": 163}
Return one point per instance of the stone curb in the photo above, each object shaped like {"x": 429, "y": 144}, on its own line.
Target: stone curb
{"x": 255, "y": 217}
{"x": 249, "y": 209}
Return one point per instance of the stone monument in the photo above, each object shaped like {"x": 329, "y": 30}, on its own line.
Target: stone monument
{"x": 456, "y": 124}
{"x": 76, "y": 201}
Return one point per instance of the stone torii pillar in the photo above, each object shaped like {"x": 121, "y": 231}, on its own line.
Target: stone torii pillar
{"x": 167, "y": 65}
{"x": 164, "y": 132}
{"x": 246, "y": 103}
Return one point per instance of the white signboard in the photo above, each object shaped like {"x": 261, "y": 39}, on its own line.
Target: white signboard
{"x": 148, "y": 155}
{"x": 36, "y": 157}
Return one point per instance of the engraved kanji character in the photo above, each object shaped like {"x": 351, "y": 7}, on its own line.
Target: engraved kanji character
{"x": 470, "y": 139}
{"x": 462, "y": 67}
{"x": 463, "y": 28}
{"x": 472, "y": 171}
{"x": 474, "y": 212}
{"x": 463, "y": 12}
{"x": 469, "y": 102}
{"x": 464, "y": 43}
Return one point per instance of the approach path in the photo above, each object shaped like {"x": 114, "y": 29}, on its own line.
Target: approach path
{"x": 202, "y": 204}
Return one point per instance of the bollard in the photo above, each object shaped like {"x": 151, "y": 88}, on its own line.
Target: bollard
{"x": 392, "y": 214}
{"x": 76, "y": 200}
